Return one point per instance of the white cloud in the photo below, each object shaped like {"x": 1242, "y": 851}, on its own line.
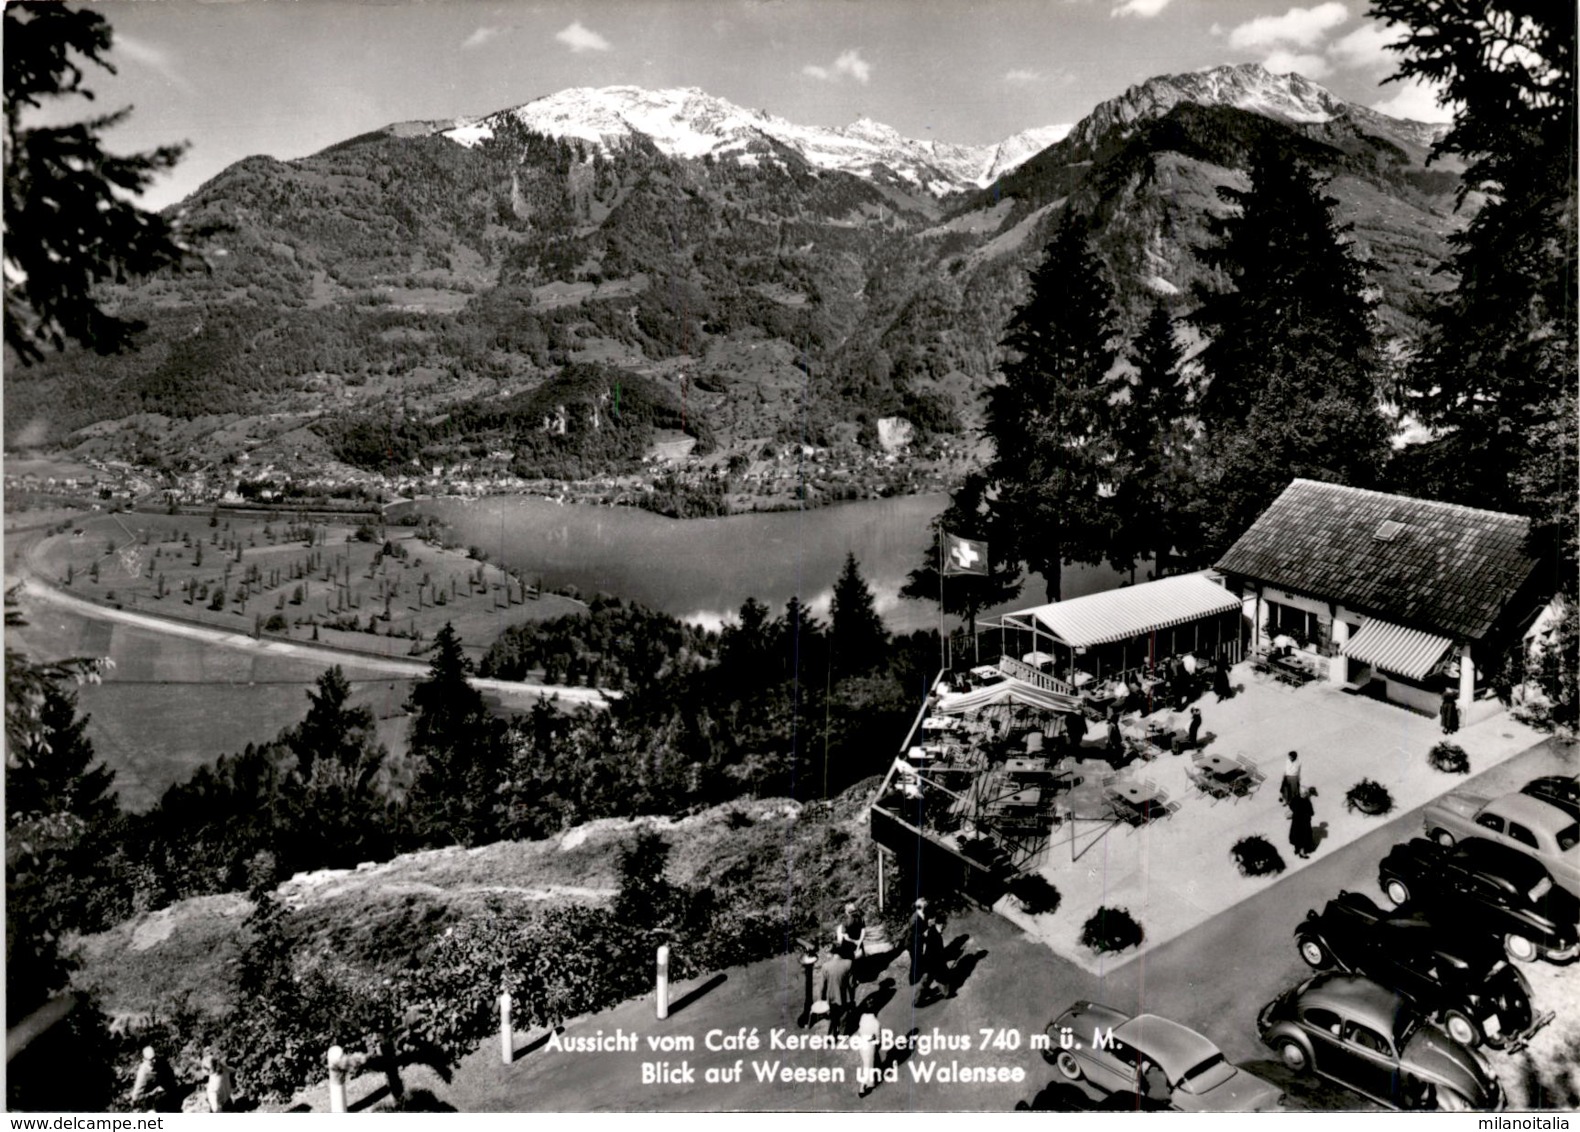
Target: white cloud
{"x": 1414, "y": 100}
{"x": 156, "y": 59}
{"x": 1141, "y": 9}
{"x": 1283, "y": 62}
{"x": 580, "y": 38}
{"x": 1298, "y": 27}
{"x": 1366, "y": 47}
{"x": 479, "y": 37}
{"x": 849, "y": 63}
{"x": 1022, "y": 76}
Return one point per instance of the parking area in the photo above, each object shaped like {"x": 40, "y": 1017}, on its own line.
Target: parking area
{"x": 1171, "y": 866}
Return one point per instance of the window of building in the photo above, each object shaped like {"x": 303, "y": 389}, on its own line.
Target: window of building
{"x": 1300, "y": 624}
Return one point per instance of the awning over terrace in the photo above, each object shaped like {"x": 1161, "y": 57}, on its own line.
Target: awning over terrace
{"x": 1123, "y": 614}
{"x": 1411, "y": 653}
{"x": 1006, "y": 691}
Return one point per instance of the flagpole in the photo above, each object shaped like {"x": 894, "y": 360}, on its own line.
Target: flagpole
{"x": 942, "y": 662}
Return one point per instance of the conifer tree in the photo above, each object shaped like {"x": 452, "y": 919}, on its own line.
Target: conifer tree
{"x": 857, "y": 638}
{"x": 69, "y": 223}
{"x": 1495, "y": 372}
{"x": 1048, "y": 419}
{"x": 463, "y": 748}
{"x": 1292, "y": 368}
{"x": 1152, "y": 452}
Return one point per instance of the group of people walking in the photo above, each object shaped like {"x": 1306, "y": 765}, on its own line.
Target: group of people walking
{"x": 837, "y": 988}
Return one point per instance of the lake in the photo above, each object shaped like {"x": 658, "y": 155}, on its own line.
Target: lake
{"x": 702, "y": 570}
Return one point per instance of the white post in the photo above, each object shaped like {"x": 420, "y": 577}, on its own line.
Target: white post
{"x": 663, "y": 981}
{"x": 880, "y": 878}
{"x": 1339, "y": 664}
{"x": 1467, "y": 682}
{"x": 507, "y": 1039}
{"x": 867, "y": 1034}
{"x": 337, "y": 1079}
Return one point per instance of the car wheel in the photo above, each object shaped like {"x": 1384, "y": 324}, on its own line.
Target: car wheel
{"x": 1519, "y": 948}
{"x": 1397, "y": 891}
{"x": 1443, "y": 838}
{"x": 1294, "y": 1056}
{"x": 1067, "y": 1064}
{"x": 1315, "y": 955}
{"x": 1462, "y": 1029}
{"x": 1450, "y": 1101}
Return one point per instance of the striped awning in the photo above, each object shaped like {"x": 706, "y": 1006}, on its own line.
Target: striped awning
{"x": 1119, "y": 615}
{"x": 1008, "y": 690}
{"x": 1411, "y": 653}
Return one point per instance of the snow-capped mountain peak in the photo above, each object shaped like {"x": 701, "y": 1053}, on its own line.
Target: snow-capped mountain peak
{"x": 690, "y": 123}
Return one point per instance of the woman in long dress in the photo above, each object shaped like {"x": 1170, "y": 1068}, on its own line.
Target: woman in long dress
{"x": 1300, "y": 814}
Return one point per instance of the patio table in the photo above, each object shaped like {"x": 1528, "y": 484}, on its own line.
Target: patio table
{"x": 921, "y": 755}
{"x": 1025, "y": 766}
{"x": 1220, "y": 767}
{"x": 940, "y": 723}
{"x": 1135, "y": 793}
{"x": 1291, "y": 670}
{"x": 1027, "y": 799}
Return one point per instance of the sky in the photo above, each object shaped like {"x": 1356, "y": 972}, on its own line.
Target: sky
{"x": 233, "y": 78}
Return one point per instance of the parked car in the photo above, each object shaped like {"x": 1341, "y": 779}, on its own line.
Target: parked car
{"x": 1530, "y": 823}
{"x": 1060, "y": 1095}
{"x": 1486, "y": 887}
{"x": 1368, "y": 1038}
{"x": 1155, "y": 1060}
{"x": 1560, "y": 789}
{"x": 1458, "y": 978}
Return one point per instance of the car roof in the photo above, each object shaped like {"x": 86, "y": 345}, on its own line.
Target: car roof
{"x": 1559, "y": 784}
{"x": 1506, "y": 862}
{"x": 1527, "y": 809}
{"x": 1355, "y": 997}
{"x": 1175, "y": 1048}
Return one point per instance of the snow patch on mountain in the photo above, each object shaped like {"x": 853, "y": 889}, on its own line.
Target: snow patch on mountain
{"x": 690, "y": 123}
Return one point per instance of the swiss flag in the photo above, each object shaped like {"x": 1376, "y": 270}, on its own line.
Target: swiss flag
{"x": 964, "y": 555}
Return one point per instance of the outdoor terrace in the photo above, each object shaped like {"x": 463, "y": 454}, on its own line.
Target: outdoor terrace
{"x": 1000, "y": 789}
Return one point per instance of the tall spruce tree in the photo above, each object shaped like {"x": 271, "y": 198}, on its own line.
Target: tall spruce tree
{"x": 857, "y": 638}
{"x": 1495, "y": 372}
{"x": 1292, "y": 368}
{"x": 1499, "y": 347}
{"x": 464, "y": 751}
{"x": 70, "y": 225}
{"x": 1048, "y": 419}
{"x": 1152, "y": 452}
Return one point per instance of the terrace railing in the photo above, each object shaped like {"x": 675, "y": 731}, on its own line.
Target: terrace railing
{"x": 1009, "y": 666}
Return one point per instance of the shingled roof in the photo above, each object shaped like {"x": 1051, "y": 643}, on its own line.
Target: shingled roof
{"x": 1434, "y": 566}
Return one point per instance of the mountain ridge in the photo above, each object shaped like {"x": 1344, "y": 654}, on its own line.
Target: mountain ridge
{"x": 380, "y": 294}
